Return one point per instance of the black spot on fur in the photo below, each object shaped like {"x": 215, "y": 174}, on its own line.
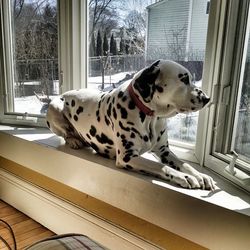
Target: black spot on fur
{"x": 114, "y": 113}
{"x": 92, "y": 131}
{"x": 122, "y": 126}
{"x": 73, "y": 103}
{"x": 124, "y": 98}
{"x": 79, "y": 110}
{"x": 103, "y": 139}
{"x": 70, "y": 116}
{"x": 124, "y": 113}
{"x": 108, "y": 99}
{"x": 67, "y": 103}
{"x": 128, "y": 144}
{"x": 88, "y": 136}
{"x": 136, "y": 131}
{"x": 105, "y": 155}
{"x": 120, "y": 94}
{"x": 130, "y": 123}
{"x": 98, "y": 115}
{"x": 132, "y": 135}
{"x": 109, "y": 110}
{"x": 131, "y": 105}
{"x": 142, "y": 116}
{"x": 94, "y": 146}
{"x": 128, "y": 167}
{"x": 165, "y": 154}
{"x": 76, "y": 118}
{"x": 150, "y": 133}
{"x": 145, "y": 138}
{"x": 62, "y": 99}
{"x": 107, "y": 120}
{"x": 126, "y": 158}
{"x": 164, "y": 160}
{"x": 159, "y": 88}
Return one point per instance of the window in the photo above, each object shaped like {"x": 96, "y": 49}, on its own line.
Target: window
{"x": 126, "y": 36}
{"x": 227, "y": 145}
{"x": 33, "y": 48}
{"x": 241, "y": 137}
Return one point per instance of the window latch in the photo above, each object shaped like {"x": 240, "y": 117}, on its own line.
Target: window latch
{"x": 231, "y": 168}
{"x": 225, "y": 95}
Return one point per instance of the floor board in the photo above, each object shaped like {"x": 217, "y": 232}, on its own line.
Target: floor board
{"x": 26, "y": 230}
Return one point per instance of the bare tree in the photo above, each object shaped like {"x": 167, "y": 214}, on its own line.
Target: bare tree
{"x": 176, "y": 42}
{"x": 102, "y": 14}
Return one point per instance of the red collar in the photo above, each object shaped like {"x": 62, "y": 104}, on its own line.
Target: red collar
{"x": 138, "y": 102}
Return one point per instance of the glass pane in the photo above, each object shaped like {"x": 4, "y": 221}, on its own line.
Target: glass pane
{"x": 125, "y": 36}
{"x": 35, "y": 54}
{"x": 242, "y": 139}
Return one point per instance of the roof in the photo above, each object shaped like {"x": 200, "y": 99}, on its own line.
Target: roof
{"x": 159, "y": 2}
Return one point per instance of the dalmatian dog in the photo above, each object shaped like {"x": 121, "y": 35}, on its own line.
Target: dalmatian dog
{"x": 130, "y": 120}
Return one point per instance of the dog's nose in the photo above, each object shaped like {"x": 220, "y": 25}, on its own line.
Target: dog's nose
{"x": 205, "y": 100}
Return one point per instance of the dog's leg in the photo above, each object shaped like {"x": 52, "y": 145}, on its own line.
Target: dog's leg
{"x": 59, "y": 124}
{"x": 130, "y": 160}
{"x": 166, "y": 156}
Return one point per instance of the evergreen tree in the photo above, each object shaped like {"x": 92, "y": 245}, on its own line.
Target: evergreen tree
{"x": 92, "y": 48}
{"x": 127, "y": 48}
{"x": 113, "y": 48}
{"x": 105, "y": 44}
{"x": 99, "y": 44}
{"x": 122, "y": 46}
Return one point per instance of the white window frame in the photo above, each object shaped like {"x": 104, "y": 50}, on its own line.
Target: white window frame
{"x": 223, "y": 73}
{"x": 72, "y": 64}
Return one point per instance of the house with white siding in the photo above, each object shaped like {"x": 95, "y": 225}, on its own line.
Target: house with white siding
{"x": 177, "y": 30}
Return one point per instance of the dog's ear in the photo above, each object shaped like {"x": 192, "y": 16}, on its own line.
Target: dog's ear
{"x": 145, "y": 83}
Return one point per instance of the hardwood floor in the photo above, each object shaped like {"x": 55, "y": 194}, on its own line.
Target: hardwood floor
{"x": 26, "y": 230}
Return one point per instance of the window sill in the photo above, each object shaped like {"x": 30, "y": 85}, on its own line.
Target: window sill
{"x": 203, "y": 217}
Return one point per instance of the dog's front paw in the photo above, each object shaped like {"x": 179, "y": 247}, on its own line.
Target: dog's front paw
{"x": 205, "y": 181}
{"x": 187, "y": 181}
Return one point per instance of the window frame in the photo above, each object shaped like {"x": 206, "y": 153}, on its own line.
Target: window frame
{"x": 225, "y": 67}
{"x": 71, "y": 40}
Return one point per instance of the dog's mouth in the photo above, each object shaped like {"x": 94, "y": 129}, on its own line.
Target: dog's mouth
{"x": 185, "y": 110}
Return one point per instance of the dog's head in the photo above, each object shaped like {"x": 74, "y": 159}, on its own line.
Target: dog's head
{"x": 168, "y": 85}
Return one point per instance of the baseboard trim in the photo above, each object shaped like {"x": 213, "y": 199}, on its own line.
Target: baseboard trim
{"x": 62, "y": 217}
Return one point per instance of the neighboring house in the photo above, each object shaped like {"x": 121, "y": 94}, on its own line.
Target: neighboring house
{"x": 177, "y": 30}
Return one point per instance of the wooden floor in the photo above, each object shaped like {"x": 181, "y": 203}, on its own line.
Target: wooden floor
{"x": 26, "y": 230}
